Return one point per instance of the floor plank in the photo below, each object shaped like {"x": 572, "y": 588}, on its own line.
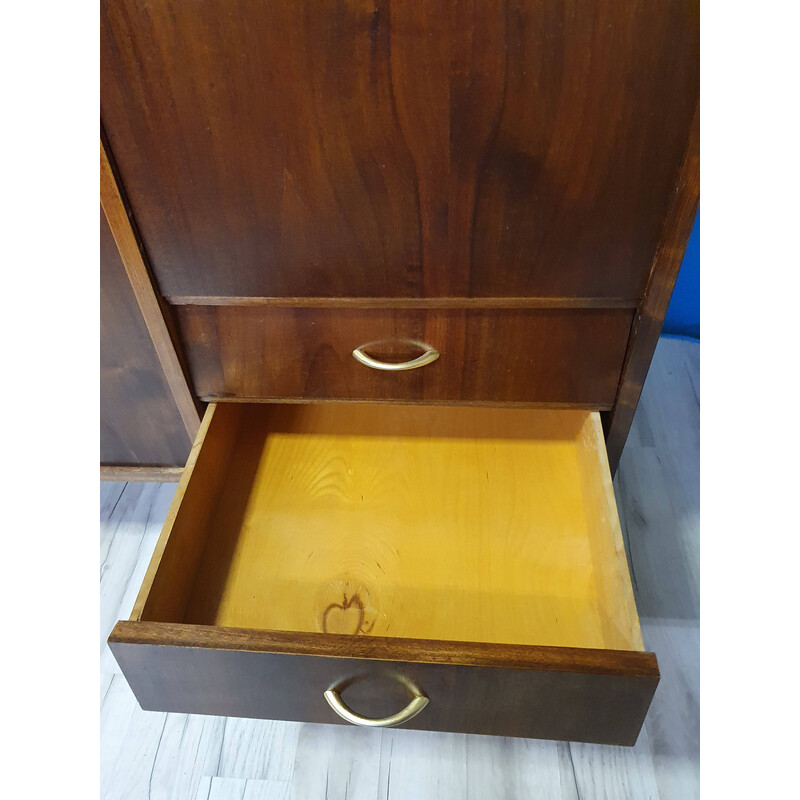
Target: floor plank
{"x": 519, "y": 768}
{"x": 171, "y": 756}
{"x": 118, "y": 707}
{"x": 258, "y": 748}
{"x": 424, "y": 764}
{"x": 127, "y": 539}
{"x": 242, "y": 789}
{"x": 658, "y": 494}
{"x": 110, "y": 492}
{"x": 189, "y": 751}
{"x": 132, "y": 771}
{"x": 337, "y": 761}
{"x": 614, "y": 773}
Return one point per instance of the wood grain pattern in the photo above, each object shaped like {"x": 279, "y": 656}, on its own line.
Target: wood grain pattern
{"x": 612, "y": 578}
{"x": 579, "y": 660}
{"x": 650, "y": 316}
{"x": 530, "y": 701}
{"x": 242, "y": 789}
{"x": 194, "y": 497}
{"x": 263, "y": 481}
{"x": 490, "y": 355}
{"x": 408, "y": 302}
{"x": 396, "y": 149}
{"x": 139, "y": 421}
{"x": 124, "y": 473}
{"x": 470, "y": 524}
{"x": 146, "y": 296}
{"x": 657, "y": 486}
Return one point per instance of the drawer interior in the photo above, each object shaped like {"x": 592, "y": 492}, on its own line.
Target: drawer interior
{"x": 464, "y": 524}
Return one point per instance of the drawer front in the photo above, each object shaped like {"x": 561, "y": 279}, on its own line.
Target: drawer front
{"x": 538, "y": 692}
{"x": 560, "y": 356}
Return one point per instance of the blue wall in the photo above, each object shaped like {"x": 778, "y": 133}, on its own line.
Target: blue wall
{"x": 683, "y": 314}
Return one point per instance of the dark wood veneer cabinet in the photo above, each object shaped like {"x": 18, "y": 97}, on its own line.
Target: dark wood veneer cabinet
{"x": 571, "y": 356}
{"x": 140, "y": 423}
{"x": 400, "y": 149}
{"x": 409, "y": 252}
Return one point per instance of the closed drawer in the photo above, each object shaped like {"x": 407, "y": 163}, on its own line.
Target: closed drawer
{"x": 565, "y": 356}
{"x": 389, "y": 556}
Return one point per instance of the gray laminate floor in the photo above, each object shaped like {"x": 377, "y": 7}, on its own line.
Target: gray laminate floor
{"x": 146, "y": 754}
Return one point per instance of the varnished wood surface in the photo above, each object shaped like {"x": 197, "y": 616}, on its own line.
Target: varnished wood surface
{"x": 650, "y": 316}
{"x": 151, "y": 309}
{"x": 355, "y": 544}
{"x": 526, "y": 701}
{"x": 400, "y": 149}
{"x": 178, "y": 756}
{"x": 195, "y": 499}
{"x": 485, "y": 525}
{"x": 578, "y": 660}
{"x": 490, "y": 355}
{"x": 139, "y": 421}
{"x": 408, "y": 302}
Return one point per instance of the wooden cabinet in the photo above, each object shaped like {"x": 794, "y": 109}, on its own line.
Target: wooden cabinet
{"x": 399, "y": 149}
{"x": 306, "y": 198}
{"x": 140, "y": 425}
{"x": 468, "y": 556}
{"x": 558, "y": 357}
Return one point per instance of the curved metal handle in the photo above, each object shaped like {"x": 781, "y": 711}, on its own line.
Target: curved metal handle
{"x": 428, "y": 357}
{"x": 409, "y": 712}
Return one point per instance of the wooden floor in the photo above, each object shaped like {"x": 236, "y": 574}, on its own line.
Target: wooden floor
{"x": 151, "y": 755}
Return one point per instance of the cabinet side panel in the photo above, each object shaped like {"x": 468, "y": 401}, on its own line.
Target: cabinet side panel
{"x": 650, "y": 315}
{"x": 139, "y": 421}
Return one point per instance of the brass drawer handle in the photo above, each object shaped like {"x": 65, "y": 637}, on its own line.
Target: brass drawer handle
{"x": 428, "y": 357}
{"x": 409, "y": 712}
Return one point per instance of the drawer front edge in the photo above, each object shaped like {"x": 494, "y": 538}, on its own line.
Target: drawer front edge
{"x": 542, "y": 701}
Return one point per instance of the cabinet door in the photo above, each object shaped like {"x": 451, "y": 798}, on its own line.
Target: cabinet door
{"x": 139, "y": 421}
{"x": 400, "y": 149}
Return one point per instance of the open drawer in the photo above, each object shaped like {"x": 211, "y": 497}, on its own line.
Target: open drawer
{"x": 455, "y": 569}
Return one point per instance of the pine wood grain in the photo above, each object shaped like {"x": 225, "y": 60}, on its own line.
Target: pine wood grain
{"x": 347, "y": 545}
{"x": 195, "y": 497}
{"x": 484, "y": 525}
